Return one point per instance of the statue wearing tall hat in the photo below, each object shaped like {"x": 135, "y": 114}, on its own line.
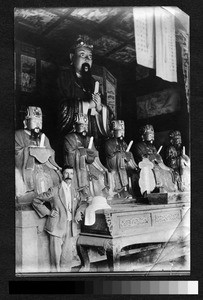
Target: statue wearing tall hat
{"x": 151, "y": 162}
{"x": 120, "y": 161}
{"x": 79, "y": 93}
{"x": 81, "y": 155}
{"x": 176, "y": 159}
{"x": 36, "y": 169}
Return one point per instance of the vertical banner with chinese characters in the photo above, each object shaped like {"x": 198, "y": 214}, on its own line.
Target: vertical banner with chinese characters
{"x": 166, "y": 64}
{"x": 144, "y": 35}
{"x": 28, "y": 73}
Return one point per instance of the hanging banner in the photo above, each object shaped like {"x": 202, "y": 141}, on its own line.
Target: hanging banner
{"x": 166, "y": 63}
{"x": 144, "y": 35}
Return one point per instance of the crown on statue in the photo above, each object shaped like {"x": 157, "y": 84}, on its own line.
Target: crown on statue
{"x": 82, "y": 41}
{"x": 147, "y": 128}
{"x": 81, "y": 118}
{"x": 118, "y": 125}
{"x": 174, "y": 134}
{"x": 33, "y": 111}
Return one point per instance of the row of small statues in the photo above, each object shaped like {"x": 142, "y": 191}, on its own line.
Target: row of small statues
{"x": 36, "y": 163}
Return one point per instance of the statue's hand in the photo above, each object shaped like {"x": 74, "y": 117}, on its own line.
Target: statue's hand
{"x": 96, "y": 98}
{"x": 91, "y": 154}
{"x": 128, "y": 156}
{"x": 78, "y": 216}
{"x": 53, "y": 213}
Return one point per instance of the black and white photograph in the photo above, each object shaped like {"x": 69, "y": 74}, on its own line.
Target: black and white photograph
{"x": 102, "y": 140}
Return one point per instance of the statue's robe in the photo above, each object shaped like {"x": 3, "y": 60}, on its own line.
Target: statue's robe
{"x": 36, "y": 165}
{"x": 91, "y": 174}
{"x": 118, "y": 162}
{"x": 73, "y": 99}
{"x": 180, "y": 163}
{"x": 164, "y": 177}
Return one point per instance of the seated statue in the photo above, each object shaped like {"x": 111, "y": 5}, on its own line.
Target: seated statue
{"x": 163, "y": 175}
{"x": 92, "y": 176}
{"x": 119, "y": 161}
{"x": 36, "y": 169}
{"x": 176, "y": 159}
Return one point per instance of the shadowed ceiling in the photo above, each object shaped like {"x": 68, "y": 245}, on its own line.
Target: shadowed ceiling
{"x": 111, "y": 29}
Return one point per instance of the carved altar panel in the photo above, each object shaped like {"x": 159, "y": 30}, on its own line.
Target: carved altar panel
{"x": 142, "y": 220}
{"x": 162, "y": 218}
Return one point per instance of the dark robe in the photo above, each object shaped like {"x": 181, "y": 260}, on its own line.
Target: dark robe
{"x": 36, "y": 165}
{"x": 72, "y": 94}
{"x": 91, "y": 174}
{"x": 175, "y": 159}
{"x": 118, "y": 161}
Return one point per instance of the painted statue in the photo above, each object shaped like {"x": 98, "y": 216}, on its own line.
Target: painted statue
{"x": 163, "y": 175}
{"x": 119, "y": 160}
{"x": 178, "y": 160}
{"x": 36, "y": 169}
{"x": 81, "y": 155}
{"x": 79, "y": 93}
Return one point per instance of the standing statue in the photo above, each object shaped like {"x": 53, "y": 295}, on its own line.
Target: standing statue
{"x": 178, "y": 160}
{"x": 79, "y": 93}
{"x": 119, "y": 159}
{"x": 80, "y": 155}
{"x": 36, "y": 169}
{"x": 163, "y": 175}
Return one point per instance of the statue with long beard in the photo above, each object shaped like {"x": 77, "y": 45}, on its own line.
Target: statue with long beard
{"x": 36, "y": 169}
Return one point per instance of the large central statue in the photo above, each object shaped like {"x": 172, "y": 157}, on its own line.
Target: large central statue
{"x": 80, "y": 94}
{"x": 81, "y": 155}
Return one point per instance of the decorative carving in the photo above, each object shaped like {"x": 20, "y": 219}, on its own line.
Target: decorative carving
{"x": 108, "y": 245}
{"x": 135, "y": 221}
{"x": 108, "y": 217}
{"x": 167, "y": 217}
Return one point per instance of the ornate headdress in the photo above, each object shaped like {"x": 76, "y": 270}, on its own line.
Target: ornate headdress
{"x": 81, "y": 119}
{"x": 118, "y": 125}
{"x": 174, "y": 134}
{"x": 33, "y": 111}
{"x": 147, "y": 128}
{"x": 82, "y": 41}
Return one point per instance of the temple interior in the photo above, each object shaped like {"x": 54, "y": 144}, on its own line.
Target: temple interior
{"x": 47, "y": 36}
{"x": 136, "y": 95}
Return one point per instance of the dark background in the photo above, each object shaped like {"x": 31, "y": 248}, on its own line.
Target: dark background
{"x": 7, "y": 216}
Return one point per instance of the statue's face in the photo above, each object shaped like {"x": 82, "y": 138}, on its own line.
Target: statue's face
{"x": 176, "y": 140}
{"x": 118, "y": 128}
{"x": 82, "y": 128}
{"x": 81, "y": 124}
{"x": 82, "y": 55}
{"x": 120, "y": 133}
{"x": 35, "y": 124}
{"x": 148, "y": 136}
{"x": 33, "y": 119}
